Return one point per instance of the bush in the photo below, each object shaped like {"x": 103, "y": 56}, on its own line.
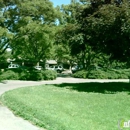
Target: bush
{"x": 80, "y": 74}
{"x": 35, "y": 75}
{"x": 97, "y": 74}
{"x": 101, "y": 74}
{"x": 49, "y": 74}
{"x": 9, "y": 75}
{"x": 24, "y": 75}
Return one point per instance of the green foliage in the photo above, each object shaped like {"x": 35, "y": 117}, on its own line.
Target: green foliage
{"x": 69, "y": 40}
{"x": 103, "y": 26}
{"x": 16, "y": 70}
{"x": 5, "y": 39}
{"x": 49, "y": 74}
{"x": 69, "y": 13}
{"x": 80, "y": 74}
{"x": 103, "y": 74}
{"x": 36, "y": 44}
{"x": 83, "y": 106}
{"x": 27, "y": 27}
{"x": 85, "y": 32}
{"x": 106, "y": 29}
{"x": 24, "y": 75}
{"x": 97, "y": 74}
{"x": 9, "y": 75}
{"x": 35, "y": 75}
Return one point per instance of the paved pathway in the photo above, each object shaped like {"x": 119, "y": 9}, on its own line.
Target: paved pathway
{"x": 10, "y": 122}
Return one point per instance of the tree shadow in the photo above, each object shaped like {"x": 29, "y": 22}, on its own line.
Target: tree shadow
{"x": 105, "y": 88}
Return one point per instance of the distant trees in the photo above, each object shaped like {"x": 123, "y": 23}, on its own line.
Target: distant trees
{"x": 67, "y": 35}
{"x": 100, "y": 30}
{"x": 107, "y": 29}
{"x": 72, "y": 35}
{"x": 85, "y": 32}
{"x": 32, "y": 24}
{"x": 33, "y": 41}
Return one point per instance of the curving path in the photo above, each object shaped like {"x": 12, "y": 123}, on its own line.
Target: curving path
{"x": 10, "y": 122}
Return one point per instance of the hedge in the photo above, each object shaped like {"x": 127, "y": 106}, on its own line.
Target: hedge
{"x": 34, "y": 75}
{"x": 103, "y": 74}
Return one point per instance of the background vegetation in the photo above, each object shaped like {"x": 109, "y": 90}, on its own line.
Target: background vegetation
{"x": 86, "y": 33}
{"x": 103, "y": 74}
{"x": 35, "y": 75}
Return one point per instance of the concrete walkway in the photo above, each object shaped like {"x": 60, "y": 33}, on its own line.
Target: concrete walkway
{"x": 10, "y": 122}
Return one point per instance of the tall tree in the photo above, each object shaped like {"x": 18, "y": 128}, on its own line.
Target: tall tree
{"x": 32, "y": 24}
{"x": 72, "y": 35}
{"x": 33, "y": 41}
{"x": 67, "y": 35}
{"x": 106, "y": 29}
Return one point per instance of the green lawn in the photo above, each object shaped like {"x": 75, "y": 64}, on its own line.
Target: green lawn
{"x": 87, "y": 106}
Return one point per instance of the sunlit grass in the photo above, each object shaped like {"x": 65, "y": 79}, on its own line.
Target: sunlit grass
{"x": 63, "y": 108}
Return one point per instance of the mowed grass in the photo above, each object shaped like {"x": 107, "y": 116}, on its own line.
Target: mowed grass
{"x": 87, "y": 106}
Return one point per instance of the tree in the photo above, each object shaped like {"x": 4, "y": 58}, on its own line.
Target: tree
{"x": 106, "y": 29}
{"x": 5, "y": 35}
{"x": 96, "y": 30}
{"x": 33, "y": 41}
{"x": 5, "y": 38}
{"x": 32, "y": 23}
{"x": 72, "y": 36}
{"x": 67, "y": 35}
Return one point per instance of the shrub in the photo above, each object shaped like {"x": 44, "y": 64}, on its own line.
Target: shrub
{"x": 24, "y": 75}
{"x": 80, "y": 74}
{"x": 35, "y": 75}
{"x": 49, "y": 74}
{"x": 9, "y": 75}
{"x": 101, "y": 74}
{"x": 97, "y": 74}
{"x": 123, "y": 76}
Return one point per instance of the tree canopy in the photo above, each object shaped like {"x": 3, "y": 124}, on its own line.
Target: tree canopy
{"x": 32, "y": 25}
{"x": 84, "y": 31}
{"x": 102, "y": 26}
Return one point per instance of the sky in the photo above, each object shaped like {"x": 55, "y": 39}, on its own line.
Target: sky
{"x": 60, "y": 2}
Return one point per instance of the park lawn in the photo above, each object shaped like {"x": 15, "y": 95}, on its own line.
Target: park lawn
{"x": 87, "y": 106}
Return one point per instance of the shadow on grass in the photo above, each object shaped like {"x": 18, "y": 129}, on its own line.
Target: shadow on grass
{"x": 105, "y": 88}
